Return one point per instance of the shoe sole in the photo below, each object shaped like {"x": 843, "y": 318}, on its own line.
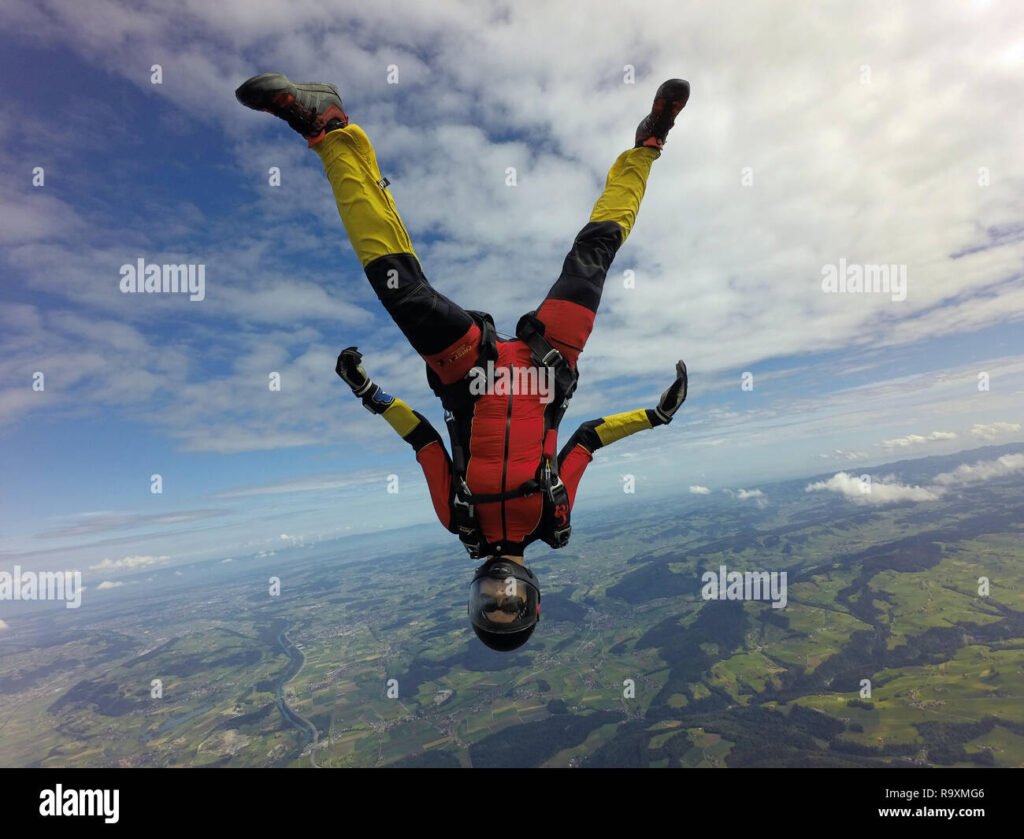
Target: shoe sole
{"x": 661, "y": 100}
{"x": 258, "y": 92}
{"x": 664, "y": 111}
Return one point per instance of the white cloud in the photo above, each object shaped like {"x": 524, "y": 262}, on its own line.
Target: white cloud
{"x": 994, "y": 429}
{"x": 476, "y": 57}
{"x": 756, "y": 495}
{"x": 843, "y": 454}
{"x": 699, "y": 490}
{"x": 4, "y": 624}
{"x": 127, "y": 562}
{"x": 903, "y": 442}
{"x": 310, "y": 483}
{"x": 87, "y": 523}
{"x": 873, "y": 492}
{"x": 107, "y": 584}
{"x": 918, "y": 439}
{"x": 1008, "y": 464}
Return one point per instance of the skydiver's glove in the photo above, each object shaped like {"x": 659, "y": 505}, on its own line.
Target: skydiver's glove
{"x": 672, "y": 398}
{"x": 350, "y": 368}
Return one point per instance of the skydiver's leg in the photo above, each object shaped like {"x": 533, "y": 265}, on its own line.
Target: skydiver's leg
{"x": 569, "y": 309}
{"x": 443, "y": 333}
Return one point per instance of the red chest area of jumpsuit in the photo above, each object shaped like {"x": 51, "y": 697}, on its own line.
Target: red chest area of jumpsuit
{"x": 506, "y": 441}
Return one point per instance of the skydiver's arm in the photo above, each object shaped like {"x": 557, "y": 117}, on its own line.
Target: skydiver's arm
{"x": 410, "y": 425}
{"x": 592, "y": 435}
{"x": 431, "y": 454}
{"x": 578, "y": 452}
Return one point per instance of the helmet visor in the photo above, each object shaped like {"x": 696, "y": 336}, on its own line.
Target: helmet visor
{"x": 502, "y": 604}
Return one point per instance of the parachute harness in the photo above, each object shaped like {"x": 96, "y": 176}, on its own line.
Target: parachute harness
{"x": 555, "y": 528}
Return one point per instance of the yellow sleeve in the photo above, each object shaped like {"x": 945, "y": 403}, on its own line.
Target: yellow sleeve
{"x": 401, "y": 417}
{"x": 617, "y": 426}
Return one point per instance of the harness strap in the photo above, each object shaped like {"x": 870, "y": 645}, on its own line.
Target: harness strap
{"x": 530, "y": 331}
{"x": 524, "y": 489}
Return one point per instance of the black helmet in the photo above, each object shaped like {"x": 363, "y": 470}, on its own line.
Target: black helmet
{"x": 504, "y": 603}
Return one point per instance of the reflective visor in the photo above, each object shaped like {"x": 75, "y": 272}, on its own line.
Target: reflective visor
{"x": 502, "y": 605}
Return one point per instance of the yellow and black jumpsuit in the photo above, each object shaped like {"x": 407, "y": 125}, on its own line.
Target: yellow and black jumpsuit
{"x": 504, "y": 435}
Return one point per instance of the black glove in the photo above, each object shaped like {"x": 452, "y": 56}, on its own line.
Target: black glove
{"x": 675, "y": 396}
{"x": 351, "y": 369}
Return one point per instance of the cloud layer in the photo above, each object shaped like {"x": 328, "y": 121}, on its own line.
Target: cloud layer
{"x": 810, "y": 139}
{"x": 864, "y": 489}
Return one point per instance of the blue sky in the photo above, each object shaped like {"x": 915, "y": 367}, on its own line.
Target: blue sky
{"x": 868, "y": 134}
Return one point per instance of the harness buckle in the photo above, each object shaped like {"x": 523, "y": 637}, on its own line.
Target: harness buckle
{"x": 558, "y": 509}
{"x": 462, "y": 496}
{"x": 473, "y": 548}
{"x": 465, "y": 521}
{"x": 552, "y": 358}
{"x": 560, "y": 537}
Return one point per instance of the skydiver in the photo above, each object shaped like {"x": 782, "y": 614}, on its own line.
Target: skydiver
{"x": 503, "y": 486}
